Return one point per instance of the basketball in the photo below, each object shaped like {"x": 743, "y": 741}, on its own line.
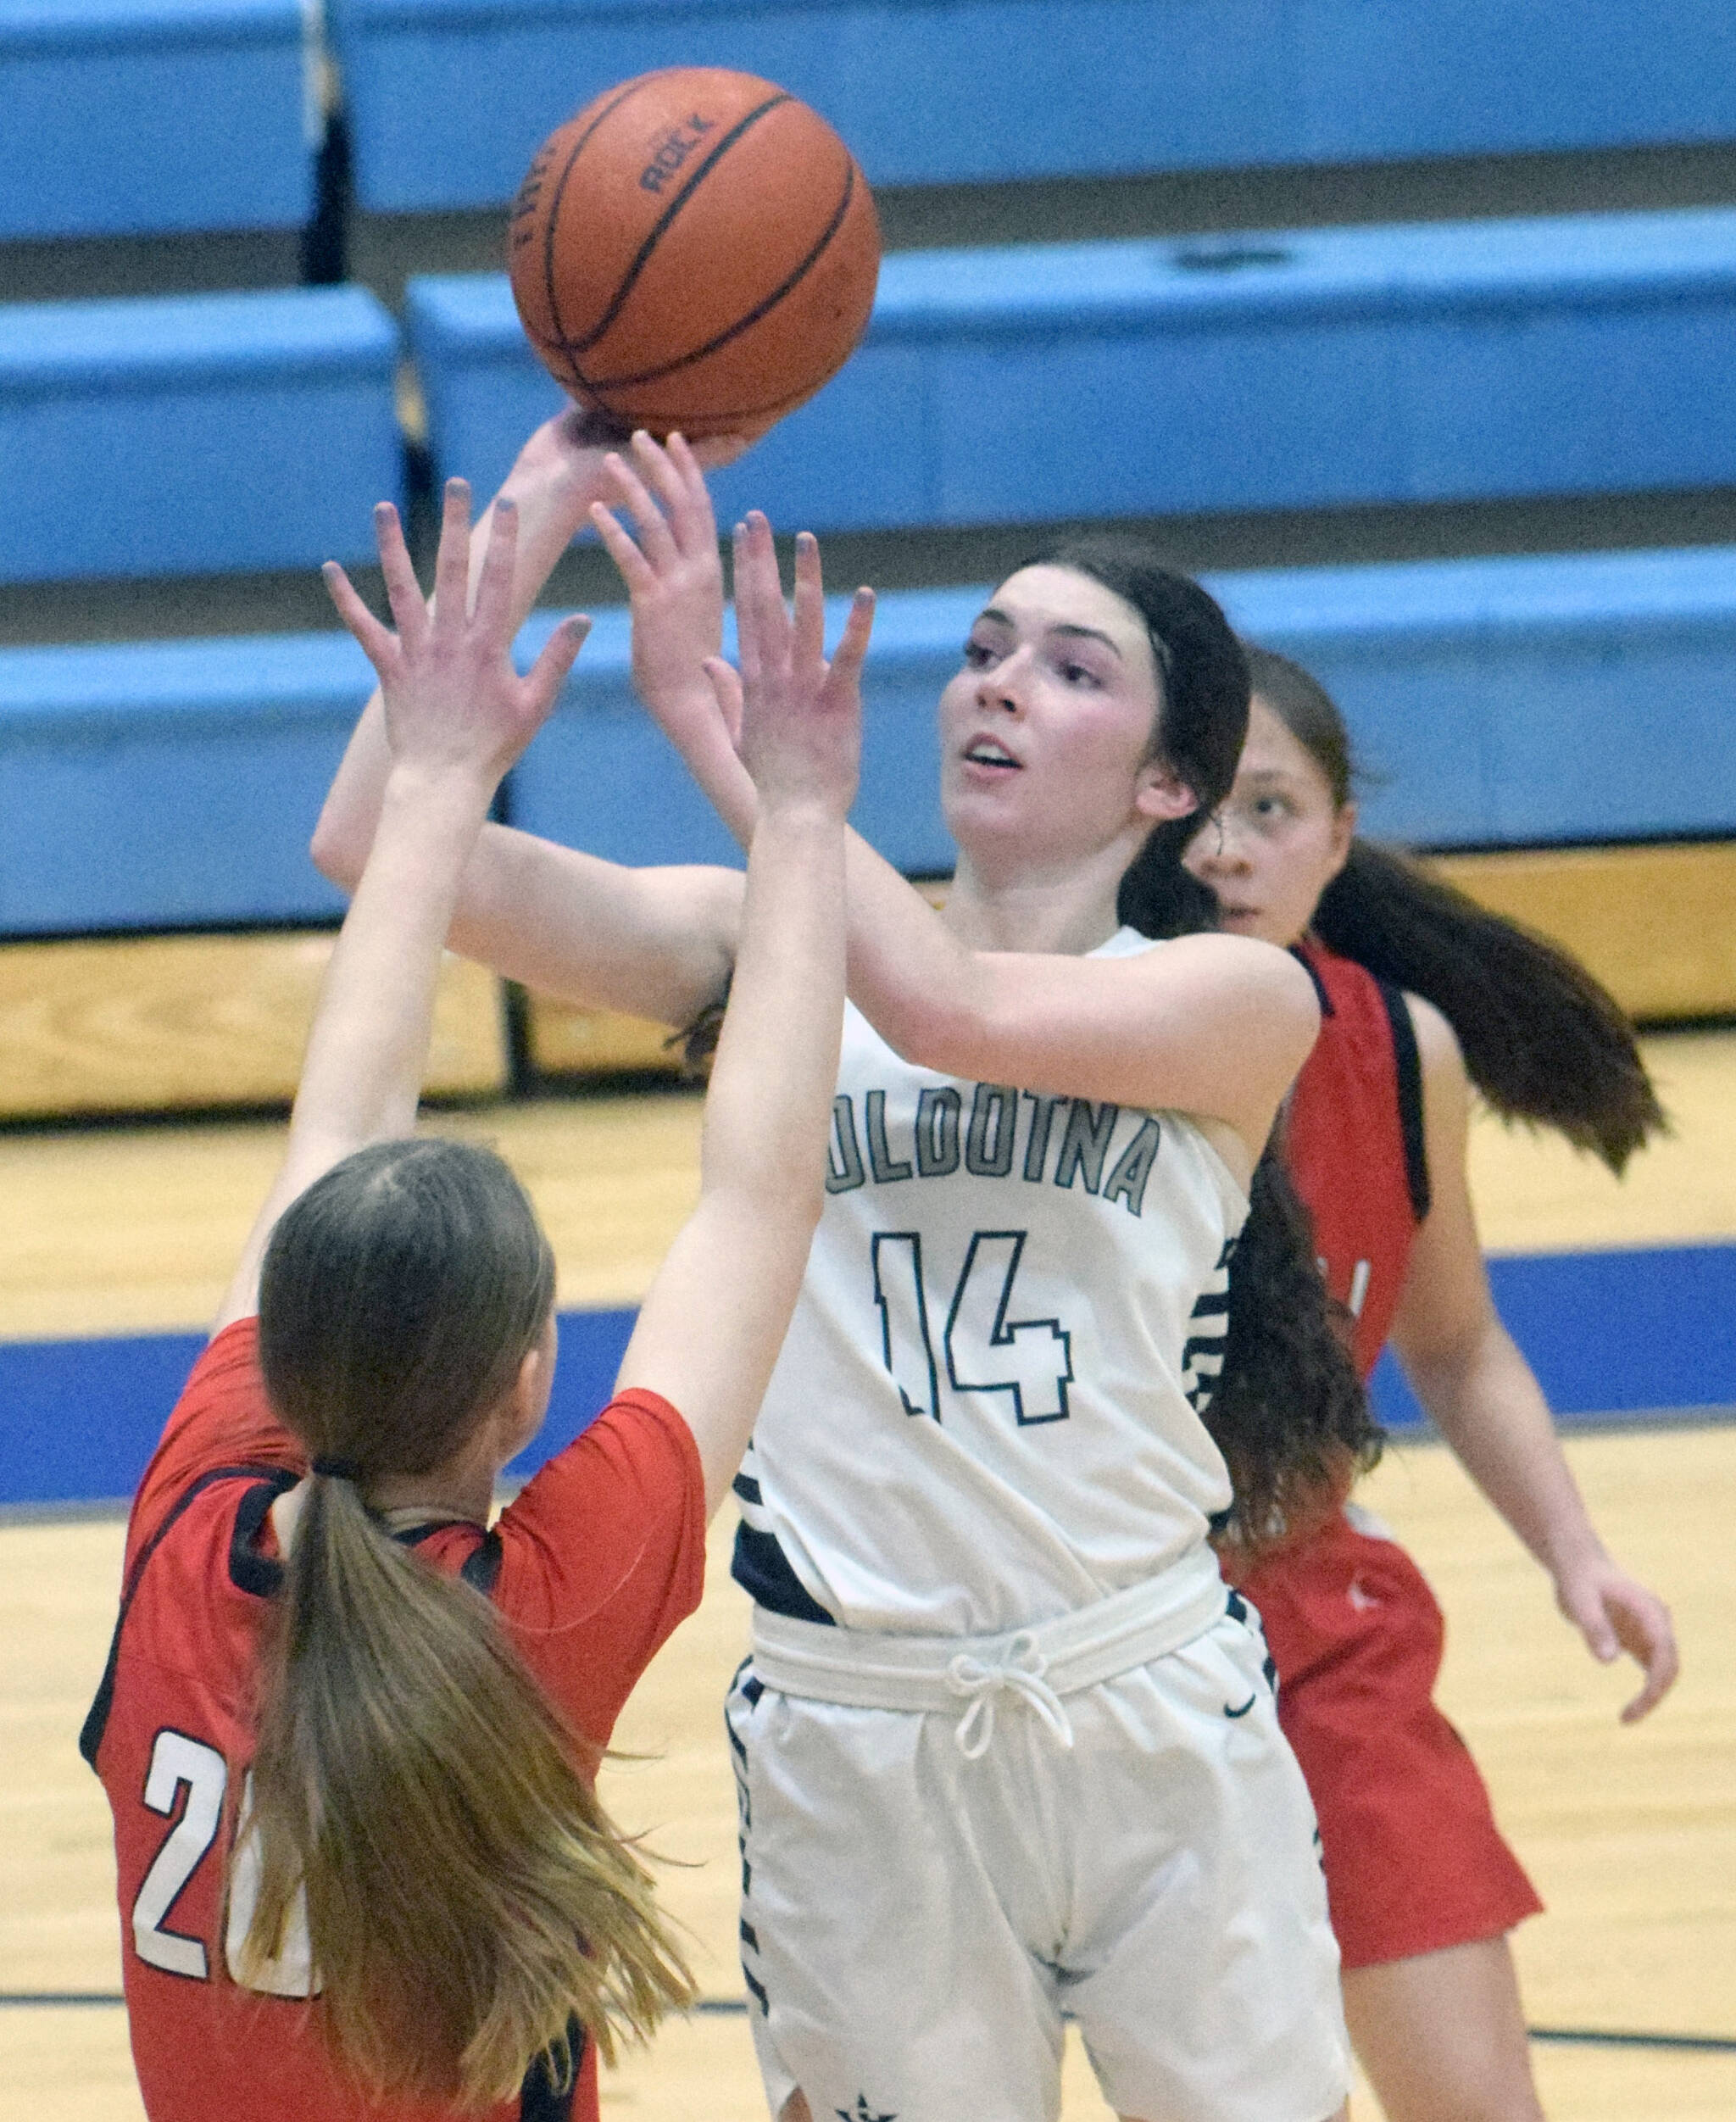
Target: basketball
{"x": 695, "y": 250}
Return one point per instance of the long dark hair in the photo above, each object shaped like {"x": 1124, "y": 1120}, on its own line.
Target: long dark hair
{"x": 415, "y": 1794}
{"x": 1289, "y": 1413}
{"x": 1543, "y": 1041}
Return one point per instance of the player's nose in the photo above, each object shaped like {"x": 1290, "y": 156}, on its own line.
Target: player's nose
{"x": 1005, "y": 688}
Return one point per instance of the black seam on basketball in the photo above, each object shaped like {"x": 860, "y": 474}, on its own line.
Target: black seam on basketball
{"x": 551, "y": 350}
{"x": 742, "y": 125}
{"x": 552, "y": 221}
{"x": 753, "y": 317}
{"x": 715, "y": 423}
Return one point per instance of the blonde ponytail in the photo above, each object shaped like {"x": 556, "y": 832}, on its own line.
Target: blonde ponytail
{"x": 466, "y": 1893}
{"x": 414, "y": 1791}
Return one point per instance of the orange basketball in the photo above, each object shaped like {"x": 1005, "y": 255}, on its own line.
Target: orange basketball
{"x": 695, "y": 250}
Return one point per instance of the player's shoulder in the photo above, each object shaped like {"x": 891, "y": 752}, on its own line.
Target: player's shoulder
{"x": 635, "y": 1460}
{"x": 192, "y": 1604}
{"x": 1437, "y": 1042}
{"x": 222, "y": 1425}
{"x": 1232, "y": 965}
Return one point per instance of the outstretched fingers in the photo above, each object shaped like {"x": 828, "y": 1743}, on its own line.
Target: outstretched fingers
{"x": 852, "y": 650}
{"x": 379, "y": 644}
{"x": 548, "y": 673}
{"x": 727, "y": 690}
{"x": 662, "y": 475}
{"x": 762, "y": 623}
{"x": 809, "y": 631}
{"x": 402, "y": 591}
{"x": 686, "y": 496}
{"x": 636, "y": 571}
{"x": 452, "y": 564}
{"x": 750, "y": 643}
{"x": 655, "y": 538}
{"x": 492, "y": 614}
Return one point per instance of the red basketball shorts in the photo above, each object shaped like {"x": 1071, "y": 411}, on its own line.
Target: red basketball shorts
{"x": 1414, "y": 1860}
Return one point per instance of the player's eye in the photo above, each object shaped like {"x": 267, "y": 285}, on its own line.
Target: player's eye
{"x": 978, "y": 655}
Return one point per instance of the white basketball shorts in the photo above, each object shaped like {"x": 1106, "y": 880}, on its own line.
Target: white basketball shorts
{"x": 916, "y": 1924}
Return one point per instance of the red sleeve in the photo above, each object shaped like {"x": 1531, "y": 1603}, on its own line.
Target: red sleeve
{"x": 603, "y": 1556}
{"x": 222, "y": 1419}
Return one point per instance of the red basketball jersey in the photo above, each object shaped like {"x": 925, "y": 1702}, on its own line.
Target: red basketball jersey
{"x": 1354, "y": 1143}
{"x": 591, "y": 1567}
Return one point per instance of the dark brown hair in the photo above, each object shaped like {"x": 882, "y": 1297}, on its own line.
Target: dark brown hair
{"x": 415, "y": 1795}
{"x": 1289, "y": 1413}
{"x": 1543, "y": 1041}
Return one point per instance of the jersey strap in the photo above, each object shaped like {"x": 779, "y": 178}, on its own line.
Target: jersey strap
{"x": 480, "y": 1567}
{"x": 540, "y": 2099}
{"x": 1408, "y": 1063}
{"x": 249, "y": 1571}
{"x": 271, "y": 1481}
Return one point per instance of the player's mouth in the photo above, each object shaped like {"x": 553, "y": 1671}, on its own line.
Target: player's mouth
{"x": 989, "y": 753}
{"x": 1229, "y": 910}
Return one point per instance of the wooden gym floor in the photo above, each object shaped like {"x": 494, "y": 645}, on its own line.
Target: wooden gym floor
{"x": 1630, "y": 1834}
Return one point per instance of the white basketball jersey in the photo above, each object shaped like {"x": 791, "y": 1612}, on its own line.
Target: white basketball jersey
{"x": 986, "y": 1411}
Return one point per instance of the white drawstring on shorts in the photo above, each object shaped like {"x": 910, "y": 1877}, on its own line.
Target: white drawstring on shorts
{"x": 1019, "y": 1670}
{"x": 1041, "y": 1663}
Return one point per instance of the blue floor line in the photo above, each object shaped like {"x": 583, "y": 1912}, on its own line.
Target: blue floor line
{"x": 1621, "y": 1337}
{"x": 78, "y": 1419}
{"x": 1609, "y": 1334}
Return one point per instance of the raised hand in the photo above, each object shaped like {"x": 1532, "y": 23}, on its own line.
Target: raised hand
{"x": 673, "y": 577}
{"x": 452, "y": 698}
{"x": 796, "y": 717}
{"x": 572, "y": 448}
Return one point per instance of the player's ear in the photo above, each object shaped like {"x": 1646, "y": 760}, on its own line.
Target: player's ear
{"x": 521, "y": 1415}
{"x": 1344, "y": 833}
{"x": 1160, "y": 794}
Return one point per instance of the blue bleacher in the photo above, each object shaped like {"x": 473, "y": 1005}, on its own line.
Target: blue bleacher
{"x": 449, "y": 98}
{"x": 152, "y": 117}
{"x": 195, "y": 434}
{"x": 1444, "y": 362}
{"x": 169, "y": 784}
{"x": 1498, "y": 701}
{"x": 1526, "y": 700}
{"x": 1567, "y": 699}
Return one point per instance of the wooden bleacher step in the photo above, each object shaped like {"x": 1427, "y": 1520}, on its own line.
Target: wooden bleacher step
{"x": 164, "y": 1023}
{"x": 1656, "y": 925}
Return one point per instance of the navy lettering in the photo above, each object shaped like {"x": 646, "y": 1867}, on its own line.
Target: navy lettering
{"x": 1086, "y": 1144}
{"x": 843, "y": 1159}
{"x": 937, "y": 1132}
{"x": 1043, "y": 1106}
{"x": 881, "y": 1162}
{"x": 673, "y": 152}
{"x": 1133, "y": 1167}
{"x": 994, "y": 1108}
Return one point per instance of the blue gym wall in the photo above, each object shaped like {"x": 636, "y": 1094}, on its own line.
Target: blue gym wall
{"x": 172, "y": 784}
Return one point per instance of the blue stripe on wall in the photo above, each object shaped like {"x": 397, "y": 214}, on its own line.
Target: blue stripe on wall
{"x": 1608, "y": 1333}
{"x": 1611, "y": 1332}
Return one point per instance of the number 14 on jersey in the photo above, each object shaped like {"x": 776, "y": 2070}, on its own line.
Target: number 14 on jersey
{"x": 981, "y": 1348}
